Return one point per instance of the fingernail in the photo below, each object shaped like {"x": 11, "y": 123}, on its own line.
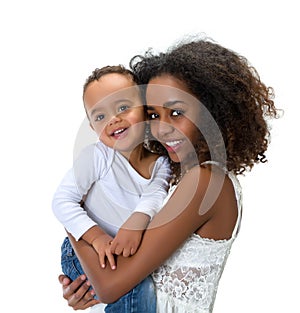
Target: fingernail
{"x": 65, "y": 281}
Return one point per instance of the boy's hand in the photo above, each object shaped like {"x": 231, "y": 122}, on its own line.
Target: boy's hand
{"x": 100, "y": 241}
{"x": 126, "y": 242}
{"x": 102, "y": 245}
{"x": 130, "y": 235}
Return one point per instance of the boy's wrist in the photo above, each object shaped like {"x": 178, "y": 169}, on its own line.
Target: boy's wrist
{"x": 137, "y": 221}
{"x": 92, "y": 234}
{"x": 94, "y": 242}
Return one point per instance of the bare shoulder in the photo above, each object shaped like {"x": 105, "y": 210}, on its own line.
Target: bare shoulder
{"x": 218, "y": 202}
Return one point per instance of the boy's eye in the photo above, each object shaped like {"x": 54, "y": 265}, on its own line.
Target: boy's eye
{"x": 123, "y": 108}
{"x": 99, "y": 117}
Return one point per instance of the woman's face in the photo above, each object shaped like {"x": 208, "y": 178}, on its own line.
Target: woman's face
{"x": 174, "y": 114}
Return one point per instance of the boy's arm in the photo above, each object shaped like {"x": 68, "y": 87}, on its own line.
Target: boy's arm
{"x": 130, "y": 235}
{"x": 76, "y": 184}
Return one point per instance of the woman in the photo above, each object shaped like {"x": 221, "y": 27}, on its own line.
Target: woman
{"x": 207, "y": 107}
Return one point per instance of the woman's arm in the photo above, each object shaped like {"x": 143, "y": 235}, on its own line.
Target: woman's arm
{"x": 178, "y": 219}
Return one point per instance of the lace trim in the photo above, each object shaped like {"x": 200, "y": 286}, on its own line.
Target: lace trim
{"x": 211, "y": 239}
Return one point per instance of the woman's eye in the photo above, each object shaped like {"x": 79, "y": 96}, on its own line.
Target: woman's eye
{"x": 177, "y": 112}
{"x": 152, "y": 116}
{"x": 99, "y": 117}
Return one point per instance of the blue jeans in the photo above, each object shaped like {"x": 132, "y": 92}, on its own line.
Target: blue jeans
{"x": 141, "y": 299}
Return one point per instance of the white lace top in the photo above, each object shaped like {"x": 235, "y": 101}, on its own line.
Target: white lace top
{"x": 189, "y": 279}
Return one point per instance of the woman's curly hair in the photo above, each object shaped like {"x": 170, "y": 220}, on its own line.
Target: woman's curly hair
{"x": 231, "y": 90}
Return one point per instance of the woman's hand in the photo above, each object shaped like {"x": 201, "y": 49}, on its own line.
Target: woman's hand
{"x": 77, "y": 292}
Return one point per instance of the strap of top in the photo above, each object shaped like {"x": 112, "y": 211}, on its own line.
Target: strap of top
{"x": 238, "y": 195}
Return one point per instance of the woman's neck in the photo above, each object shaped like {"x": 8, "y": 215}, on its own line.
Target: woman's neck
{"x": 180, "y": 169}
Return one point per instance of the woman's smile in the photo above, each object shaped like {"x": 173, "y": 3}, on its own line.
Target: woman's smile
{"x": 174, "y": 145}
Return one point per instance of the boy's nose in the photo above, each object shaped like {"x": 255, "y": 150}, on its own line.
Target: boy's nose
{"x": 114, "y": 119}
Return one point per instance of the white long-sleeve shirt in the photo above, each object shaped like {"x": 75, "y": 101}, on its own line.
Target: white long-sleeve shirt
{"x": 113, "y": 189}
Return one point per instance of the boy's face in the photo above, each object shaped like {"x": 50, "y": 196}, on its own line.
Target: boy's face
{"x": 115, "y": 111}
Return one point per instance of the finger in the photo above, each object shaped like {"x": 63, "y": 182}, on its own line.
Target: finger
{"x": 118, "y": 250}
{"x": 64, "y": 280}
{"x": 88, "y": 296}
{"x": 102, "y": 259}
{"x": 111, "y": 260}
{"x": 88, "y": 304}
{"x": 70, "y": 289}
{"x": 133, "y": 250}
{"x": 112, "y": 246}
{"x": 83, "y": 299}
{"x": 79, "y": 298}
{"x": 126, "y": 252}
{"x": 84, "y": 305}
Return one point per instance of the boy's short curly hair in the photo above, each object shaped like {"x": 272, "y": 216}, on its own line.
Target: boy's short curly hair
{"x": 228, "y": 86}
{"x": 109, "y": 69}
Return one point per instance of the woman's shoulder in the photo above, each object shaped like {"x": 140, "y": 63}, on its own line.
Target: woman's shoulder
{"x": 203, "y": 174}
{"x": 220, "y": 199}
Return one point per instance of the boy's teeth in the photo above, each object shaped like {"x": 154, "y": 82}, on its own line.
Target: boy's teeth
{"x": 118, "y": 131}
{"x": 173, "y": 143}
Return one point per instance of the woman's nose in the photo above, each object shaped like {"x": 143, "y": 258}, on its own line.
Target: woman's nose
{"x": 164, "y": 128}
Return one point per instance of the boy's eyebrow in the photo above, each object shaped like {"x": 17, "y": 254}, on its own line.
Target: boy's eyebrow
{"x": 94, "y": 111}
{"x": 97, "y": 108}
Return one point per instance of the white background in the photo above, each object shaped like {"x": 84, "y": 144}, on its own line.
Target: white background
{"x": 48, "y": 48}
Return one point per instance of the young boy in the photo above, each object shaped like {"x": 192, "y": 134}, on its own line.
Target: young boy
{"x": 122, "y": 183}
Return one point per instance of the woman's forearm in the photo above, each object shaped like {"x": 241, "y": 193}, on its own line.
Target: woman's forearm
{"x": 168, "y": 230}
{"x": 157, "y": 245}
{"x": 110, "y": 284}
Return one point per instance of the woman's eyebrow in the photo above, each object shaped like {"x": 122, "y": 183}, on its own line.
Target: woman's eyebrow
{"x": 171, "y": 103}
{"x": 167, "y": 104}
